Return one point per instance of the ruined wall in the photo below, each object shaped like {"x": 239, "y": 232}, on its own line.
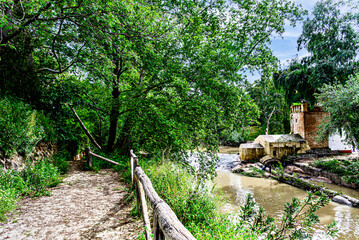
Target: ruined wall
{"x": 306, "y": 122}
{"x": 312, "y": 120}
{"x": 297, "y": 123}
{"x": 17, "y": 162}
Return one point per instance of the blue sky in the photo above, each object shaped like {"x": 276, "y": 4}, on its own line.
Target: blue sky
{"x": 285, "y": 48}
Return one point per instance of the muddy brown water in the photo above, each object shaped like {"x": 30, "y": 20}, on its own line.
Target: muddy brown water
{"x": 272, "y": 195}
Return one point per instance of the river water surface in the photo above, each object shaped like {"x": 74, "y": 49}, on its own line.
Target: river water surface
{"x": 272, "y": 195}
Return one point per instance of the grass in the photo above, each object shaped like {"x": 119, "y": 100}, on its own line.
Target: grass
{"x": 349, "y": 170}
{"x": 34, "y": 181}
{"x": 195, "y": 204}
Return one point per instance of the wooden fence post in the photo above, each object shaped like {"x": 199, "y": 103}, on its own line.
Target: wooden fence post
{"x": 88, "y": 156}
{"x": 157, "y": 233}
{"x": 146, "y": 218}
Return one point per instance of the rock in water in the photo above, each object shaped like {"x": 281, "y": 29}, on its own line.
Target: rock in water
{"x": 340, "y": 199}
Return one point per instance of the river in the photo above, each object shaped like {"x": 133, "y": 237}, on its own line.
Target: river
{"x": 272, "y": 195}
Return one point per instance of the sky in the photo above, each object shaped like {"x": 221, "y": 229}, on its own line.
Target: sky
{"x": 285, "y": 48}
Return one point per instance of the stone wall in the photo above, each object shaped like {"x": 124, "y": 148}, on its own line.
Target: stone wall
{"x": 297, "y": 123}
{"x": 17, "y": 162}
{"x": 306, "y": 123}
{"x": 312, "y": 120}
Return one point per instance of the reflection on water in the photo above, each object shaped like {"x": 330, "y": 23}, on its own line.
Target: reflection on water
{"x": 272, "y": 195}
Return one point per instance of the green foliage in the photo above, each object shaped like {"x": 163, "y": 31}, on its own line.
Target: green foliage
{"x": 347, "y": 169}
{"x": 332, "y": 40}
{"x": 39, "y": 176}
{"x": 191, "y": 203}
{"x": 274, "y": 117}
{"x": 21, "y": 127}
{"x": 161, "y": 76}
{"x": 194, "y": 204}
{"x": 60, "y": 160}
{"x": 197, "y": 208}
{"x": 123, "y": 167}
{"x": 7, "y": 202}
{"x": 32, "y": 181}
{"x": 341, "y": 101}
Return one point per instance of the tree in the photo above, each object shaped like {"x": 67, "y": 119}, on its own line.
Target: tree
{"x": 163, "y": 74}
{"x": 271, "y": 103}
{"x": 333, "y": 43}
{"x": 341, "y": 101}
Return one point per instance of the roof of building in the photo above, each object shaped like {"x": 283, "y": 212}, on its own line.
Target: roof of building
{"x": 283, "y": 138}
{"x": 251, "y": 145}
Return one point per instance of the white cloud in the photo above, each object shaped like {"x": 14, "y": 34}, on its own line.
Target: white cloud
{"x": 291, "y": 34}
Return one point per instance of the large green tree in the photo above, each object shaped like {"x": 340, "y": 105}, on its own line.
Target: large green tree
{"x": 274, "y": 117}
{"x": 341, "y": 101}
{"x": 332, "y": 41}
{"x": 162, "y": 76}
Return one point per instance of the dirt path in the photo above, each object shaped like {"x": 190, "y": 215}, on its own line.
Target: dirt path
{"x": 86, "y": 205}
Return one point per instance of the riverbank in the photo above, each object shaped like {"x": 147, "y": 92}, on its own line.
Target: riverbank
{"x": 297, "y": 176}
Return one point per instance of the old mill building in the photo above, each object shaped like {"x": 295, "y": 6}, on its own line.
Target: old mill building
{"x": 303, "y": 125}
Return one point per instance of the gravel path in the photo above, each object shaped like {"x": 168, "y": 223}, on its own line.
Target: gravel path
{"x": 86, "y": 205}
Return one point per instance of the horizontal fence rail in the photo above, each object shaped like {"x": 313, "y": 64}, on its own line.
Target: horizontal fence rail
{"x": 165, "y": 222}
{"x": 89, "y": 158}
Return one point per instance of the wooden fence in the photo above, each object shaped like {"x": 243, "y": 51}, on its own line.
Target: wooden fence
{"x": 165, "y": 222}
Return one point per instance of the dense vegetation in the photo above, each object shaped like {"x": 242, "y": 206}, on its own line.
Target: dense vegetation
{"x": 348, "y": 169}
{"x": 197, "y": 207}
{"x": 32, "y": 181}
{"x": 156, "y": 76}
{"x": 167, "y": 78}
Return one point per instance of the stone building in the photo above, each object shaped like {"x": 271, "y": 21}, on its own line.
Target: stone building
{"x": 250, "y": 151}
{"x": 305, "y": 123}
{"x": 273, "y": 146}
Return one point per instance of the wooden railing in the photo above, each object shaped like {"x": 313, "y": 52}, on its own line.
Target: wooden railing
{"x": 89, "y": 158}
{"x": 165, "y": 222}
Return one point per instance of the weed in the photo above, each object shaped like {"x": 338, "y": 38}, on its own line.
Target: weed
{"x": 349, "y": 170}
{"x": 32, "y": 181}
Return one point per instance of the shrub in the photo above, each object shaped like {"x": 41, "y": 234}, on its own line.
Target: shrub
{"x": 20, "y": 128}
{"x": 8, "y": 200}
{"x": 197, "y": 208}
{"x": 194, "y": 204}
{"x": 32, "y": 181}
{"x": 38, "y": 177}
{"x": 60, "y": 160}
{"x": 347, "y": 169}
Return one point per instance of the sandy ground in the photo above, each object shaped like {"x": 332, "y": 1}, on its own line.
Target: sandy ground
{"x": 86, "y": 205}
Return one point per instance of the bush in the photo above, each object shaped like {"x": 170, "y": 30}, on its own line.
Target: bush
{"x": 60, "y": 160}
{"x": 7, "y": 202}
{"x": 20, "y": 127}
{"x": 32, "y": 181}
{"x": 194, "y": 204}
{"x": 347, "y": 169}
{"x": 40, "y": 176}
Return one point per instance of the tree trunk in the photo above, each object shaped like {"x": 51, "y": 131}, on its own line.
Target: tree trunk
{"x": 113, "y": 119}
{"x": 123, "y": 142}
{"x": 355, "y": 142}
{"x": 268, "y": 121}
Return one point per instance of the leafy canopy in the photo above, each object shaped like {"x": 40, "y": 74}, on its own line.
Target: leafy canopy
{"x": 332, "y": 39}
